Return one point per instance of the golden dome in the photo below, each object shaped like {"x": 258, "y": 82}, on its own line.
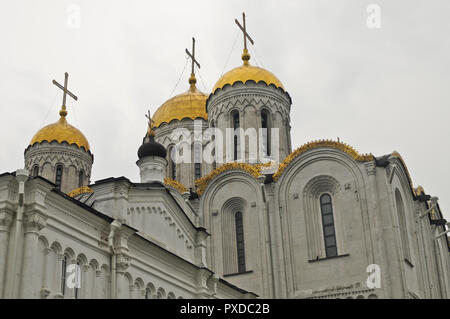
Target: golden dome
{"x": 61, "y": 131}
{"x": 247, "y": 72}
{"x": 190, "y": 104}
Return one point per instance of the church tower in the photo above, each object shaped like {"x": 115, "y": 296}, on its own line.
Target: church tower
{"x": 59, "y": 152}
{"x": 152, "y": 157}
{"x": 175, "y": 123}
{"x": 250, "y": 99}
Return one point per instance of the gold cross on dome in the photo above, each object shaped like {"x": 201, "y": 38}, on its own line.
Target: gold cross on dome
{"x": 63, "y": 111}
{"x": 244, "y": 31}
{"x": 150, "y": 121}
{"x": 192, "y": 56}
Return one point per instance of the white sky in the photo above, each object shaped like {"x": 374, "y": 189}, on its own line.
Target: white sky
{"x": 379, "y": 90}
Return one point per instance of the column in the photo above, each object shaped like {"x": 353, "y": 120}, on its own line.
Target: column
{"x": 45, "y": 291}
{"x": 276, "y": 241}
{"x": 122, "y": 286}
{"x": 58, "y": 279}
{"x": 33, "y": 223}
{"x": 5, "y": 224}
{"x": 85, "y": 290}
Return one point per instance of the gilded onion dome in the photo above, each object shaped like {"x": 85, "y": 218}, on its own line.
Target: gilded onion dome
{"x": 190, "y": 104}
{"x": 245, "y": 73}
{"x": 61, "y": 131}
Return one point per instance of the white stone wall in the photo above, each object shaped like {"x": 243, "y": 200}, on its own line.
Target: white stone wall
{"x": 55, "y": 227}
{"x": 250, "y": 100}
{"x": 47, "y": 156}
{"x": 284, "y": 240}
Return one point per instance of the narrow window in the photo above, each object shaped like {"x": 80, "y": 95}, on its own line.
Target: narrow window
{"x": 63, "y": 274}
{"x": 147, "y": 293}
{"x": 197, "y": 160}
{"x": 329, "y": 234}
{"x": 240, "y": 241}
{"x": 236, "y": 141}
{"x": 265, "y": 132}
{"x": 213, "y": 138}
{"x": 59, "y": 172}
{"x": 80, "y": 178}
{"x": 173, "y": 166}
{"x": 402, "y": 224}
{"x": 35, "y": 171}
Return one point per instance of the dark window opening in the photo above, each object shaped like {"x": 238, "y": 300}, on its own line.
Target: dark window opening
{"x": 63, "y": 274}
{"x": 236, "y": 139}
{"x": 35, "y": 171}
{"x": 240, "y": 242}
{"x": 173, "y": 165}
{"x": 329, "y": 233}
{"x": 265, "y": 132}
{"x": 80, "y": 178}
{"x": 59, "y": 172}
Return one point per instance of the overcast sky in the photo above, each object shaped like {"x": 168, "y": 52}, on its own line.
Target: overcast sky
{"x": 378, "y": 89}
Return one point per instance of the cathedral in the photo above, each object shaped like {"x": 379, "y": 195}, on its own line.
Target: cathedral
{"x": 224, "y": 208}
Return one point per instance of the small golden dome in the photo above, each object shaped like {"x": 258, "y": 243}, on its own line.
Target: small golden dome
{"x": 61, "y": 131}
{"x": 190, "y": 104}
{"x": 247, "y": 72}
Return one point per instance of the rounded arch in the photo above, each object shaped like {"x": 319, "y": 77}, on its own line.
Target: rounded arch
{"x": 171, "y": 295}
{"x": 44, "y": 241}
{"x": 82, "y": 259}
{"x": 150, "y": 291}
{"x": 139, "y": 283}
{"x": 160, "y": 293}
{"x": 56, "y": 247}
{"x": 104, "y": 268}
{"x": 69, "y": 253}
{"x": 94, "y": 264}
{"x": 298, "y": 189}
{"x": 233, "y": 205}
{"x": 402, "y": 223}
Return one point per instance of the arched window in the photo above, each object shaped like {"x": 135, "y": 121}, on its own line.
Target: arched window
{"x": 236, "y": 139}
{"x": 58, "y": 179}
{"x": 197, "y": 160}
{"x": 173, "y": 165}
{"x": 148, "y": 293}
{"x": 402, "y": 224}
{"x": 265, "y": 132}
{"x": 326, "y": 208}
{"x": 63, "y": 274}
{"x": 35, "y": 171}
{"x": 213, "y": 140}
{"x": 80, "y": 178}
{"x": 240, "y": 241}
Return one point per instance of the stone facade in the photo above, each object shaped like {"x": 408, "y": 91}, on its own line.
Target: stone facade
{"x": 76, "y": 163}
{"x": 249, "y": 101}
{"x": 115, "y": 260}
{"x": 284, "y": 240}
{"x": 184, "y": 171}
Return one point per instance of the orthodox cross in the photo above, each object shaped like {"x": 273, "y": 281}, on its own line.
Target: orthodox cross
{"x": 150, "y": 131}
{"x": 192, "y": 56}
{"x": 244, "y": 31}
{"x": 150, "y": 121}
{"x": 63, "y": 111}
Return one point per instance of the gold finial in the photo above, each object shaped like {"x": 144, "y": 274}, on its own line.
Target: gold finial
{"x": 150, "y": 131}
{"x": 245, "y": 54}
{"x": 192, "y": 79}
{"x": 63, "y": 111}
